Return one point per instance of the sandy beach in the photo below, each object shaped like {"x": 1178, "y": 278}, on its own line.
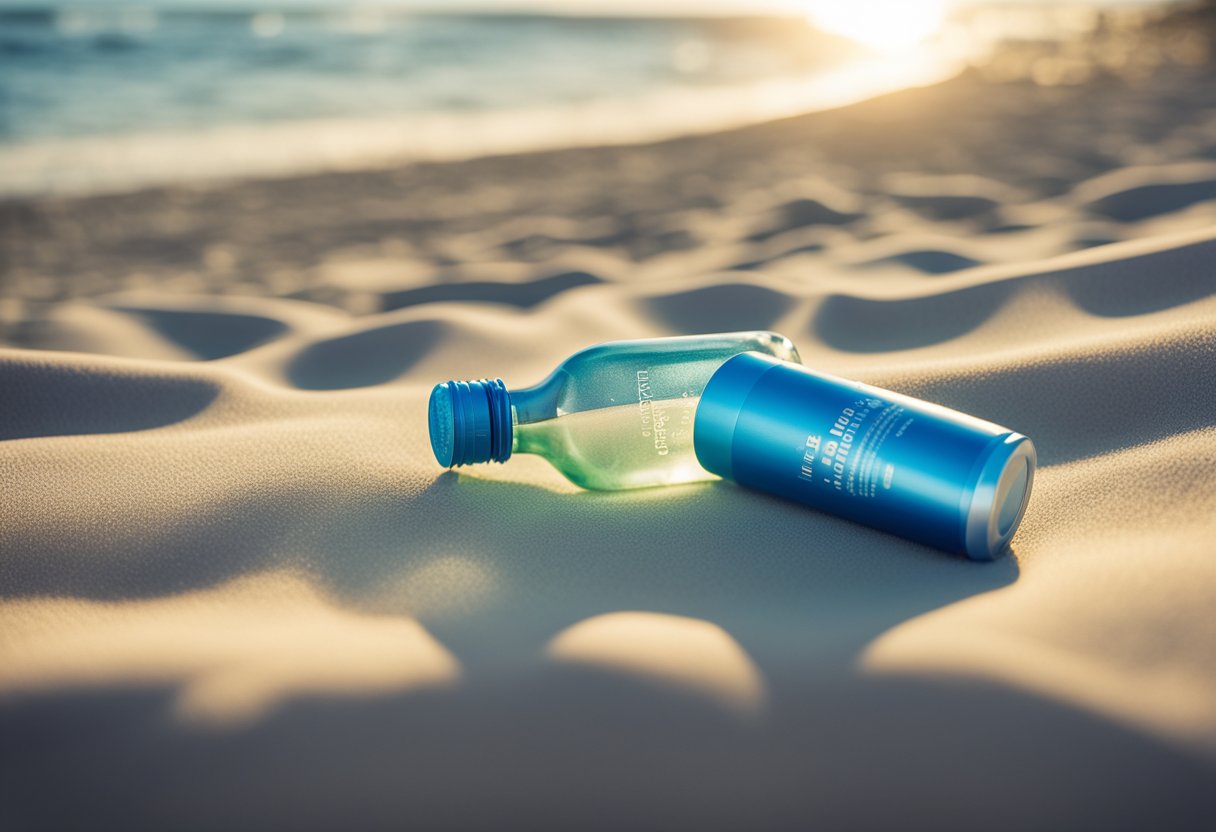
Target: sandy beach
{"x": 237, "y": 592}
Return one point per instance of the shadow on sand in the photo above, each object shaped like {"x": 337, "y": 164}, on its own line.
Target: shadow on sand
{"x": 802, "y": 593}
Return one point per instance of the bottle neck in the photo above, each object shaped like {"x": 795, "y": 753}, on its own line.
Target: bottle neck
{"x": 530, "y": 405}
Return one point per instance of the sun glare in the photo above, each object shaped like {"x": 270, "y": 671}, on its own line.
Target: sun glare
{"x": 879, "y": 24}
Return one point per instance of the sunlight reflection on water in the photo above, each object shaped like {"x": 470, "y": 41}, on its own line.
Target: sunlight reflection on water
{"x": 92, "y": 102}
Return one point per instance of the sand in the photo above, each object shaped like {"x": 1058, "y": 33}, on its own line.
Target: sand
{"x": 236, "y": 592}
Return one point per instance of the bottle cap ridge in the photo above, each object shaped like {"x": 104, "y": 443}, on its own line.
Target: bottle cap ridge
{"x": 470, "y": 422}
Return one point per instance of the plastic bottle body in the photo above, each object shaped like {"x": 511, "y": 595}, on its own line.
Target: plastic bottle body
{"x": 617, "y": 415}
{"x": 876, "y": 457}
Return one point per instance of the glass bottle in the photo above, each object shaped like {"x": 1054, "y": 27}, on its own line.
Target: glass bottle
{"x": 613, "y": 416}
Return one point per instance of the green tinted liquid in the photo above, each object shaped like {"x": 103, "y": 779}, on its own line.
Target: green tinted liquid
{"x": 627, "y": 446}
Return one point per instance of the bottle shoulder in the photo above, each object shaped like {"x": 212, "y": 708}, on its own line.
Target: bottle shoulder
{"x": 681, "y": 348}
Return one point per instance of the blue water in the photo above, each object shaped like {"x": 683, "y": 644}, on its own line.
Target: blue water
{"x": 89, "y": 96}
{"x": 76, "y": 73}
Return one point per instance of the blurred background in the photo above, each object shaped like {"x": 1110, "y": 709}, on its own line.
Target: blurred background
{"x": 134, "y": 136}
{"x": 100, "y": 96}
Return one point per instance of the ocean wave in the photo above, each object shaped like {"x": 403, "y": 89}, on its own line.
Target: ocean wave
{"x": 132, "y": 160}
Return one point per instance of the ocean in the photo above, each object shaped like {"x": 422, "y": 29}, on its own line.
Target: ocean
{"x": 102, "y": 100}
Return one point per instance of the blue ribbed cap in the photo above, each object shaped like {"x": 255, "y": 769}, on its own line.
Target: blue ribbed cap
{"x": 470, "y": 422}
{"x": 722, "y": 401}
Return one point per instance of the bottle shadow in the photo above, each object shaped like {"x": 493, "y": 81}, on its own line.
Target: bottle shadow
{"x": 759, "y": 567}
{"x": 496, "y": 569}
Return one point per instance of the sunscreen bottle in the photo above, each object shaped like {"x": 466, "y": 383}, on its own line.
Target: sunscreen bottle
{"x": 890, "y": 461}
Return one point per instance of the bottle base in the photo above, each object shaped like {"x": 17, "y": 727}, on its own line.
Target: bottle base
{"x": 999, "y": 498}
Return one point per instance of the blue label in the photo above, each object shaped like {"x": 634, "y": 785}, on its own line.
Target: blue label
{"x": 869, "y": 455}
